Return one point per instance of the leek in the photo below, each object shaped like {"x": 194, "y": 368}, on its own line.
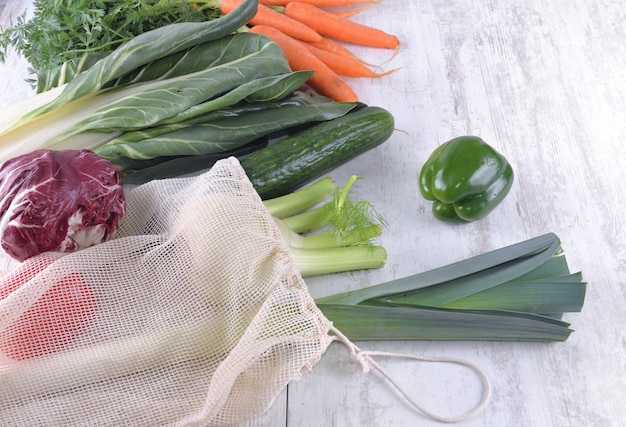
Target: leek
{"x": 519, "y": 292}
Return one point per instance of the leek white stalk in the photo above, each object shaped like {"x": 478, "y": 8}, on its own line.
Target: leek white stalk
{"x": 117, "y": 357}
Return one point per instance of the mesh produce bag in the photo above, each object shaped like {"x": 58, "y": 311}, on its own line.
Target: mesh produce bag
{"x": 195, "y": 314}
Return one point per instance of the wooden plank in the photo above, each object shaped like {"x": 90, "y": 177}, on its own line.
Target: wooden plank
{"x": 545, "y": 83}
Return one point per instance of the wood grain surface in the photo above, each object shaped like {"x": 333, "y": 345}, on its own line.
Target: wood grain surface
{"x": 545, "y": 84}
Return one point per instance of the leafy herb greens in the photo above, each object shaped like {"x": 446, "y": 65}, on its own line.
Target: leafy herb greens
{"x": 68, "y": 31}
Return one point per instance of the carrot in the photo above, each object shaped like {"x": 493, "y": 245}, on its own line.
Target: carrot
{"x": 319, "y": 3}
{"x": 324, "y": 80}
{"x": 344, "y": 66}
{"x": 332, "y": 46}
{"x": 272, "y": 18}
{"x": 329, "y": 25}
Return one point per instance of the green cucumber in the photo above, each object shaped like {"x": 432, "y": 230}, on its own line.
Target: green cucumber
{"x": 288, "y": 164}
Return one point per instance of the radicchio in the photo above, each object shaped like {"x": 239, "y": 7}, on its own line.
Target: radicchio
{"x": 58, "y": 201}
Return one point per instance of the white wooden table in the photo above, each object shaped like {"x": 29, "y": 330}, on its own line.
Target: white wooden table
{"x": 544, "y": 83}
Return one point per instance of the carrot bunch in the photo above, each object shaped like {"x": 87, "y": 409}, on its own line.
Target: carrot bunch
{"x": 311, "y": 35}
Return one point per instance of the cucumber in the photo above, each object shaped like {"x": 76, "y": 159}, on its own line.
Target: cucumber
{"x": 288, "y": 164}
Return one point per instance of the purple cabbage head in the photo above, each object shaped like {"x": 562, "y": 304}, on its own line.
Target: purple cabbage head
{"x": 58, "y": 201}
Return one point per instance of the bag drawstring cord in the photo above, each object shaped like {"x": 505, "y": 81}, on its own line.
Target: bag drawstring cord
{"x": 365, "y": 361}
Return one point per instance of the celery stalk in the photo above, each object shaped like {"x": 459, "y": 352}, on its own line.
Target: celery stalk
{"x": 301, "y": 200}
{"x": 335, "y": 260}
{"x": 328, "y": 236}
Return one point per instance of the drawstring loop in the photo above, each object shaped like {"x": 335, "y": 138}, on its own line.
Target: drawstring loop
{"x": 365, "y": 361}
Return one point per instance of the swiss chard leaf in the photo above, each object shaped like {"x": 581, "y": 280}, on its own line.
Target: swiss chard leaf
{"x": 261, "y": 89}
{"x": 198, "y": 57}
{"x": 222, "y": 135}
{"x": 148, "y": 104}
{"x": 145, "y": 48}
{"x": 138, "y": 172}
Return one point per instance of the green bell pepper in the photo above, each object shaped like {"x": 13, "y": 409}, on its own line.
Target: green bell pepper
{"x": 466, "y": 179}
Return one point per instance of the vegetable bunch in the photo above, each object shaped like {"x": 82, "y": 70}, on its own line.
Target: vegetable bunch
{"x": 326, "y": 232}
{"x": 202, "y": 89}
{"x": 180, "y": 90}
{"x": 65, "y": 38}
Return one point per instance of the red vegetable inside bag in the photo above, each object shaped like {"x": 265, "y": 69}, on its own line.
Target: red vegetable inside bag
{"x": 54, "y": 320}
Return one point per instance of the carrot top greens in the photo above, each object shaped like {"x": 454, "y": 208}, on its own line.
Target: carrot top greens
{"x": 65, "y": 30}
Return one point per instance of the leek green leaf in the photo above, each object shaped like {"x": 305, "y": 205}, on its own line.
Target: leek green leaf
{"x": 379, "y": 323}
{"x": 519, "y": 292}
{"x": 448, "y": 273}
{"x": 532, "y": 297}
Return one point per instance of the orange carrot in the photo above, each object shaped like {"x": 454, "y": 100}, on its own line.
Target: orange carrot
{"x": 332, "y": 46}
{"x": 324, "y": 80}
{"x": 272, "y": 18}
{"x": 319, "y": 3}
{"x": 329, "y": 25}
{"x": 344, "y": 66}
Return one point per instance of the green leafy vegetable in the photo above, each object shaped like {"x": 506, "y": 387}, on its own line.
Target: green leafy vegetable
{"x": 141, "y": 171}
{"x": 515, "y": 293}
{"x": 158, "y": 95}
{"x": 216, "y": 136}
{"x": 90, "y": 121}
{"x": 143, "y": 49}
{"x": 62, "y": 35}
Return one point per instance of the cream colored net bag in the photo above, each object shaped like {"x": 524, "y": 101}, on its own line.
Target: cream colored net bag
{"x": 195, "y": 315}
{"x": 200, "y": 317}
